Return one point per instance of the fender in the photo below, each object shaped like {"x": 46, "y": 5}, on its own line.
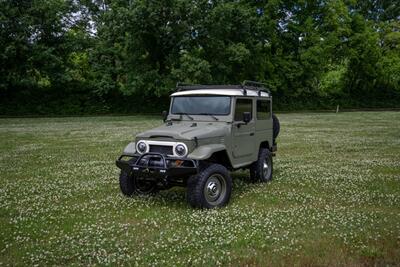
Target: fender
{"x": 130, "y": 149}
{"x": 205, "y": 152}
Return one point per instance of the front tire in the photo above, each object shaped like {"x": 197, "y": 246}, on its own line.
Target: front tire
{"x": 210, "y": 188}
{"x": 131, "y": 186}
{"x": 262, "y": 169}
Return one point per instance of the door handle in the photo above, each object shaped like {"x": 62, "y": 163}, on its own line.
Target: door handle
{"x": 251, "y": 134}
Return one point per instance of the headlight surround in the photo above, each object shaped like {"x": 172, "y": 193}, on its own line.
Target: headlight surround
{"x": 141, "y": 147}
{"x": 181, "y": 150}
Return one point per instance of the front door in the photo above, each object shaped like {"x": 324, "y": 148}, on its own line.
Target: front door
{"x": 243, "y": 134}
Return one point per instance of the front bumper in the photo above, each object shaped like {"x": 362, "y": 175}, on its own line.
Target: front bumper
{"x": 158, "y": 167}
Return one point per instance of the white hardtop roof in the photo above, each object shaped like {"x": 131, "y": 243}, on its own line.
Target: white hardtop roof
{"x": 226, "y": 92}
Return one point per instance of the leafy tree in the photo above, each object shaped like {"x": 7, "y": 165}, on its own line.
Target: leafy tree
{"x": 76, "y": 56}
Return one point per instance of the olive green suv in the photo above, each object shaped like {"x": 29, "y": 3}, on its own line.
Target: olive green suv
{"x": 209, "y": 131}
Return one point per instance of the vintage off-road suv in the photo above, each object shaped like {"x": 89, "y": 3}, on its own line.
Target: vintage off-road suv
{"x": 208, "y": 131}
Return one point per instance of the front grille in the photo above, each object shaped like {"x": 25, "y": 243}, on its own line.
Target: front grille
{"x": 165, "y": 150}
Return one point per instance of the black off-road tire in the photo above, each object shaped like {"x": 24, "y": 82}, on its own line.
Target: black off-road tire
{"x": 129, "y": 186}
{"x": 276, "y": 126}
{"x": 257, "y": 169}
{"x": 200, "y": 187}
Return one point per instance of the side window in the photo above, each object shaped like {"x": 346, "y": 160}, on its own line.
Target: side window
{"x": 243, "y": 105}
{"x": 263, "y": 109}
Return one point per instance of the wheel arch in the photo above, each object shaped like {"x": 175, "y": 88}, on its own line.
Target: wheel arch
{"x": 221, "y": 157}
{"x": 265, "y": 144}
{"x": 215, "y": 153}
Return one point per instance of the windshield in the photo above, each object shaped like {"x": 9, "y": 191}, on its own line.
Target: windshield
{"x": 201, "y": 105}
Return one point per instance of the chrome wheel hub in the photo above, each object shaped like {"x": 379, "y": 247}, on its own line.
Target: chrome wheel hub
{"x": 215, "y": 189}
{"x": 212, "y": 189}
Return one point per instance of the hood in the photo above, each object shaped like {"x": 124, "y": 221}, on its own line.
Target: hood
{"x": 187, "y": 130}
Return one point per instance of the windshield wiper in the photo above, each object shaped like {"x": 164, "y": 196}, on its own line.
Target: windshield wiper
{"x": 182, "y": 113}
{"x": 209, "y": 114}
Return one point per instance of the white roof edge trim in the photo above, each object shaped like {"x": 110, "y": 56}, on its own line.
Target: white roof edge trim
{"x": 227, "y": 92}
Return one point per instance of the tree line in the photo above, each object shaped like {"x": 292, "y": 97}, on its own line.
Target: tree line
{"x": 125, "y": 56}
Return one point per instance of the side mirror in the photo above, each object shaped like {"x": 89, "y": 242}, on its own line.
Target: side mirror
{"x": 246, "y": 117}
{"x": 164, "y": 115}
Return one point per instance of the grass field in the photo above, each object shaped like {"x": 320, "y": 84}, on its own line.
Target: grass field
{"x": 334, "y": 200}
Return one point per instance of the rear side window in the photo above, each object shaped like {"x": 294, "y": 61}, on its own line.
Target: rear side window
{"x": 263, "y": 109}
{"x": 243, "y": 105}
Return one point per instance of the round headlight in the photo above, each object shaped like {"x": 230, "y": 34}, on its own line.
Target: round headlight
{"x": 180, "y": 150}
{"x": 141, "y": 147}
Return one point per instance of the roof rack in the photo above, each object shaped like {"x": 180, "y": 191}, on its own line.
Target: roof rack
{"x": 186, "y": 87}
{"x": 246, "y": 85}
{"x": 262, "y": 86}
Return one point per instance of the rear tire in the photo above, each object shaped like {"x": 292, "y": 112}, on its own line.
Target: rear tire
{"x": 276, "y": 126}
{"x": 262, "y": 169}
{"x": 210, "y": 188}
{"x": 131, "y": 186}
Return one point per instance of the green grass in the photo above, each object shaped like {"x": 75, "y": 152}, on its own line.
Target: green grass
{"x": 334, "y": 200}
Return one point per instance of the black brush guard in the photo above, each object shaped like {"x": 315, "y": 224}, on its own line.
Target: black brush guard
{"x": 157, "y": 167}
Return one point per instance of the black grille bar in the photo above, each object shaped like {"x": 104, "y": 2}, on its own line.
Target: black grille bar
{"x": 165, "y": 150}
